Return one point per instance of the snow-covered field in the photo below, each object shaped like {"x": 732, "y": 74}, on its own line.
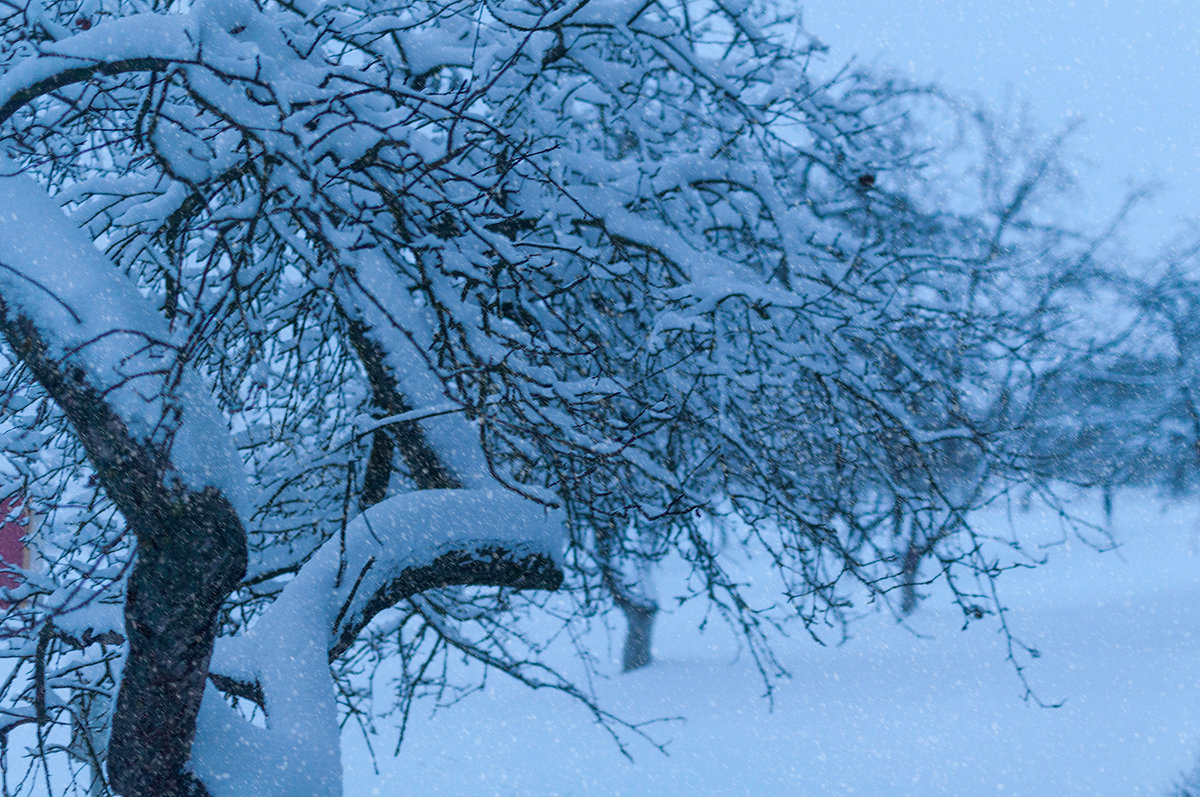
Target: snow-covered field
{"x": 889, "y": 712}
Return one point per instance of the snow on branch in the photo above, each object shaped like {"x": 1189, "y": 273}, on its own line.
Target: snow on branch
{"x": 141, "y": 43}
{"x": 403, "y": 332}
{"x": 398, "y": 548}
{"x": 437, "y": 538}
{"x": 230, "y": 35}
{"x": 64, "y": 305}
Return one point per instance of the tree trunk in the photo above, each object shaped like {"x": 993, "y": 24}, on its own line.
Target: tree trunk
{"x": 185, "y": 569}
{"x": 639, "y": 610}
{"x": 638, "y": 634}
{"x": 425, "y": 467}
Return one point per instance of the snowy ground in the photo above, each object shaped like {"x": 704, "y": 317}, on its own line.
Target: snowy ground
{"x": 888, "y": 712}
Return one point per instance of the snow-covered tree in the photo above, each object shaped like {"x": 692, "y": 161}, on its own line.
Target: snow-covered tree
{"x": 1121, "y": 409}
{"x": 316, "y": 309}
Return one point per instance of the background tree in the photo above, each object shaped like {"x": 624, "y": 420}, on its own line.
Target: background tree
{"x": 1120, "y": 412}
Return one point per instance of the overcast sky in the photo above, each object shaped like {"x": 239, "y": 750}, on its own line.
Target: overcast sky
{"x": 1130, "y": 68}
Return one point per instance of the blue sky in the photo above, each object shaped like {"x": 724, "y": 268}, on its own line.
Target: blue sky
{"x": 1130, "y": 69}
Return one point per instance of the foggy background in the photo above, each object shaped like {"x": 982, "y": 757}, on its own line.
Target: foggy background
{"x": 1129, "y": 68}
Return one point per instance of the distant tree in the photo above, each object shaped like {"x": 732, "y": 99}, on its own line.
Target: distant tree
{"x": 1122, "y": 411}
{"x": 359, "y": 309}
{"x": 1167, "y": 337}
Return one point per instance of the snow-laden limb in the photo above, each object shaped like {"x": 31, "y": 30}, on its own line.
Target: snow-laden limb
{"x": 397, "y": 338}
{"x": 61, "y": 297}
{"x": 138, "y": 43}
{"x": 141, "y": 43}
{"x": 392, "y": 551}
{"x": 231, "y": 36}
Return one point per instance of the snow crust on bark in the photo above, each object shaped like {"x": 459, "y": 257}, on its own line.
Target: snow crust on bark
{"x": 92, "y": 318}
{"x": 286, "y": 651}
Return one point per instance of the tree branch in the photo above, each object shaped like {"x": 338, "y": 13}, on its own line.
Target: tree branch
{"x": 78, "y": 74}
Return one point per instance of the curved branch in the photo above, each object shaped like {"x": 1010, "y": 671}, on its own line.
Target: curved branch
{"x": 78, "y": 74}
{"x": 484, "y": 566}
{"x": 394, "y": 550}
{"x": 403, "y": 546}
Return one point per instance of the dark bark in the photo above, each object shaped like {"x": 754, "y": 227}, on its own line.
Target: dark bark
{"x": 910, "y": 572}
{"x": 190, "y": 554}
{"x": 640, "y": 612}
{"x": 79, "y": 74}
{"x": 188, "y": 562}
{"x": 379, "y": 469}
{"x": 638, "y": 634}
{"x": 483, "y": 567}
{"x": 423, "y": 463}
